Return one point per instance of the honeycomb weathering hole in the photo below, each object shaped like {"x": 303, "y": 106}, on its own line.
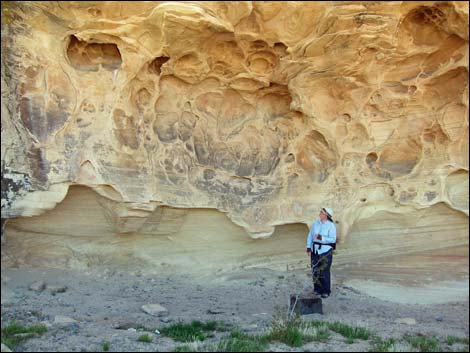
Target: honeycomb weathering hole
{"x": 426, "y": 14}
{"x": 371, "y": 158}
{"x": 155, "y": 66}
{"x": 87, "y": 56}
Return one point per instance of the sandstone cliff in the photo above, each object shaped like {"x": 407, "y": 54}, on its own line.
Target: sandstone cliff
{"x": 128, "y": 119}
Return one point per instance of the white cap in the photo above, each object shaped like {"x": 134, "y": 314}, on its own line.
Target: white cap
{"x": 329, "y": 211}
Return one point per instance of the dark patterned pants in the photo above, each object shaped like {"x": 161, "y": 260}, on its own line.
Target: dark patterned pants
{"x": 321, "y": 265}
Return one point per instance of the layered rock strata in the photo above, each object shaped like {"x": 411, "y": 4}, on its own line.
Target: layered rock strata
{"x": 265, "y": 111}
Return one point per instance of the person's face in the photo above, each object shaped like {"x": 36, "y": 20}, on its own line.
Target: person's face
{"x": 323, "y": 215}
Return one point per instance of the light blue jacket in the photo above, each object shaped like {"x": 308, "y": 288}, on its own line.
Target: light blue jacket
{"x": 328, "y": 232}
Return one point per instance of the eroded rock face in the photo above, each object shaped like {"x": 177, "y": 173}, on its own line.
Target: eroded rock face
{"x": 262, "y": 110}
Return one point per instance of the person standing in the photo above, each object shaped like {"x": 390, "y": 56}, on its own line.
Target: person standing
{"x": 321, "y": 241}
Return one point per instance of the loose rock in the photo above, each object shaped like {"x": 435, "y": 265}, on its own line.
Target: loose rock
{"x": 38, "y": 286}
{"x": 155, "y": 309}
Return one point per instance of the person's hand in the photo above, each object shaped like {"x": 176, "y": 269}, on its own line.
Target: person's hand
{"x": 319, "y": 237}
{"x": 309, "y": 251}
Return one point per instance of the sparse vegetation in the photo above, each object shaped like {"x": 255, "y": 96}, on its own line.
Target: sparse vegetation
{"x": 350, "y": 332}
{"x": 145, "y": 338}
{"x": 418, "y": 342}
{"x": 295, "y": 332}
{"x": 144, "y": 328}
{"x": 450, "y": 340}
{"x": 289, "y": 335}
{"x": 380, "y": 345}
{"x": 241, "y": 342}
{"x": 423, "y": 343}
{"x": 291, "y": 330}
{"x": 315, "y": 331}
{"x": 322, "y": 335}
{"x": 195, "y": 331}
{"x": 286, "y": 329}
{"x": 196, "y": 346}
{"x": 14, "y": 333}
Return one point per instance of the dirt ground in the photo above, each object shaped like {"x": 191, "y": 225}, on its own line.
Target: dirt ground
{"x": 107, "y": 306}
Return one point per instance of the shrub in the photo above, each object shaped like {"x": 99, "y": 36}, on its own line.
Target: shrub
{"x": 145, "y": 338}
{"x": 105, "y": 346}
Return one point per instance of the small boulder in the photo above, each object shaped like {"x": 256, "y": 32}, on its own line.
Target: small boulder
{"x": 54, "y": 289}
{"x": 38, "y": 286}
{"x": 61, "y": 320}
{"x": 155, "y": 309}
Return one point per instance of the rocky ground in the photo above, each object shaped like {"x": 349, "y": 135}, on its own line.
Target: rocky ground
{"x": 87, "y": 311}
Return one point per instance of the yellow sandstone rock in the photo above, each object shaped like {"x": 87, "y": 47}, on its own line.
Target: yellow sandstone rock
{"x": 123, "y": 123}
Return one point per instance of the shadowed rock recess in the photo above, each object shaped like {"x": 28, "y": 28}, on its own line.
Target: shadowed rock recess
{"x": 206, "y": 135}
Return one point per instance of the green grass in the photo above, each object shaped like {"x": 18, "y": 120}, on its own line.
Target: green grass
{"x": 195, "y": 331}
{"x": 236, "y": 342}
{"x": 350, "y": 332}
{"x": 423, "y": 343}
{"x": 286, "y": 330}
{"x": 14, "y": 333}
{"x": 145, "y": 338}
{"x": 241, "y": 342}
{"x": 418, "y": 342}
{"x": 318, "y": 333}
{"x": 450, "y": 340}
{"x": 380, "y": 345}
{"x": 105, "y": 346}
{"x": 294, "y": 332}
{"x": 10, "y": 343}
{"x": 289, "y": 334}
